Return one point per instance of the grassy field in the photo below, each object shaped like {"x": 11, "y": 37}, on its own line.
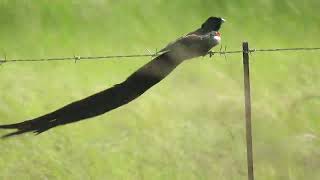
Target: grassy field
{"x": 189, "y": 126}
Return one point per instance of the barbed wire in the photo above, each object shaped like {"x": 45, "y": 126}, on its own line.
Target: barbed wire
{"x": 211, "y": 53}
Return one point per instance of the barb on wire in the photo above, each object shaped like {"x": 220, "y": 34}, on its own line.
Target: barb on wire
{"x": 4, "y": 60}
{"x": 210, "y": 53}
{"x": 153, "y": 54}
{"x": 76, "y": 58}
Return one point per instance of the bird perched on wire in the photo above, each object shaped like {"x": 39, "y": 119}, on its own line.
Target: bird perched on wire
{"x": 194, "y": 44}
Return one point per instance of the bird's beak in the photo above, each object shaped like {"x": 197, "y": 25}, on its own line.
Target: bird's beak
{"x": 223, "y": 20}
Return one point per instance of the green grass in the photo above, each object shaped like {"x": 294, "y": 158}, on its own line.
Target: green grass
{"x": 189, "y": 126}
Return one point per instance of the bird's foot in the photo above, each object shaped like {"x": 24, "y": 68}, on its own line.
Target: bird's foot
{"x": 211, "y": 53}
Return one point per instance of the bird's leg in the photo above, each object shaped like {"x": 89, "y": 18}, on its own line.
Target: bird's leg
{"x": 224, "y": 53}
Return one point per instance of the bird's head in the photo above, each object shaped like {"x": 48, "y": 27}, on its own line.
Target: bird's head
{"x": 212, "y": 24}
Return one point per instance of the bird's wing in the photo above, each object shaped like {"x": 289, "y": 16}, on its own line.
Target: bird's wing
{"x": 170, "y": 45}
{"x": 182, "y": 41}
{"x": 104, "y": 101}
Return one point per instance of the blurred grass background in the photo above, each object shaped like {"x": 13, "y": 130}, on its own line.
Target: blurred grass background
{"x": 189, "y": 126}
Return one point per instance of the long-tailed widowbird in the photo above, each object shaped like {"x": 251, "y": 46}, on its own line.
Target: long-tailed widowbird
{"x": 194, "y": 44}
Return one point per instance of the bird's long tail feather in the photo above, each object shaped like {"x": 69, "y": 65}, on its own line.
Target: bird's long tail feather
{"x": 37, "y": 125}
{"x": 102, "y": 102}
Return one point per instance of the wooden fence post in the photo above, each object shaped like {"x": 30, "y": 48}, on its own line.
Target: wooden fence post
{"x": 247, "y": 98}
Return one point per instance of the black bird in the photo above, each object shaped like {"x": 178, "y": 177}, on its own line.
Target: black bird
{"x": 195, "y": 44}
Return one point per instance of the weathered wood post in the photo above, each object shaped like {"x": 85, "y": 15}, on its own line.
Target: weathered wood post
{"x": 247, "y": 98}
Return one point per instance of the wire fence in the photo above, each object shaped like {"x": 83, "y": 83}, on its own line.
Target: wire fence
{"x": 211, "y": 53}
{"x": 223, "y": 51}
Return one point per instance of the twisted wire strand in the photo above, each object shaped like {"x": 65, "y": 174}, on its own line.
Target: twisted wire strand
{"x": 211, "y": 53}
